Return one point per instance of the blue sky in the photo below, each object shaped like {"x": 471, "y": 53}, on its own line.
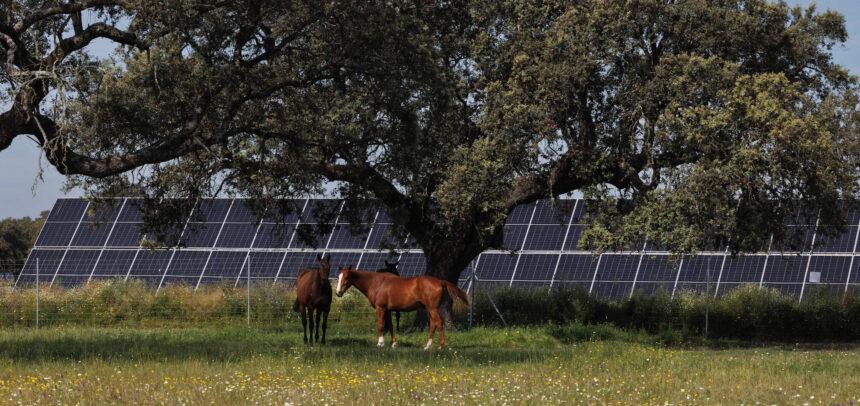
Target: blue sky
{"x": 23, "y": 193}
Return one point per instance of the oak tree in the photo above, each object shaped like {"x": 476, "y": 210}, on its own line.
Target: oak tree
{"x": 688, "y": 123}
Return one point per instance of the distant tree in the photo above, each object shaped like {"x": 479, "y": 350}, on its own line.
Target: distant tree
{"x": 17, "y": 237}
{"x": 689, "y": 123}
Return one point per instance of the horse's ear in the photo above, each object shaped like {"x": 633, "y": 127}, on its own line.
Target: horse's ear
{"x": 319, "y": 257}
{"x": 386, "y": 263}
{"x": 327, "y": 257}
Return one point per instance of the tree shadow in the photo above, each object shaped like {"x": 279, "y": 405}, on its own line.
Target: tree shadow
{"x": 232, "y": 345}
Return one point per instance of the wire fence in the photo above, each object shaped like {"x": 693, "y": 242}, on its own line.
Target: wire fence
{"x": 258, "y": 291}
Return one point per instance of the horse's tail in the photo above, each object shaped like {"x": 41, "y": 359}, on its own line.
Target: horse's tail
{"x": 296, "y": 306}
{"x": 456, "y": 291}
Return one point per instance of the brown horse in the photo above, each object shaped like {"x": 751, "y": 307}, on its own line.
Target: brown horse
{"x": 313, "y": 292}
{"x": 391, "y": 268}
{"x": 387, "y": 293}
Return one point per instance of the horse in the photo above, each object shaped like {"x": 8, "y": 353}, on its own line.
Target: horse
{"x": 313, "y": 292}
{"x": 387, "y": 293}
{"x": 391, "y": 268}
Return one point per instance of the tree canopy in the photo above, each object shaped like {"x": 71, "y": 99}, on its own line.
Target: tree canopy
{"x": 688, "y": 123}
{"x": 17, "y": 236}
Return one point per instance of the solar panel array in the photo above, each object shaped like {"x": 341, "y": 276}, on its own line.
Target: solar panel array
{"x": 224, "y": 239}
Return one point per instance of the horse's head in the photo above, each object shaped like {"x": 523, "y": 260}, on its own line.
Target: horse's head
{"x": 343, "y": 280}
{"x": 325, "y": 262}
{"x": 391, "y": 267}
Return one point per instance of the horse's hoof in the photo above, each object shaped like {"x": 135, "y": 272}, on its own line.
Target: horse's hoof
{"x": 394, "y": 344}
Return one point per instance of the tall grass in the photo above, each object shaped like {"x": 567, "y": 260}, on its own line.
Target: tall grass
{"x": 745, "y": 313}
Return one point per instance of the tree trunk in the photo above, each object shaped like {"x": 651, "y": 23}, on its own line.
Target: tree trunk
{"x": 446, "y": 261}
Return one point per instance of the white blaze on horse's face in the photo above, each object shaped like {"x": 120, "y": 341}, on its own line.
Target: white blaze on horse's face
{"x": 340, "y": 284}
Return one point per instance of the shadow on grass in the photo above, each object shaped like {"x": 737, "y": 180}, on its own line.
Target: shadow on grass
{"x": 228, "y": 344}
{"x": 236, "y": 344}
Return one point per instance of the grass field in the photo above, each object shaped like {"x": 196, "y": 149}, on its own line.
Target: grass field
{"x": 576, "y": 364}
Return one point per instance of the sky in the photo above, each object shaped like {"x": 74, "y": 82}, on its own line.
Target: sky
{"x": 29, "y": 185}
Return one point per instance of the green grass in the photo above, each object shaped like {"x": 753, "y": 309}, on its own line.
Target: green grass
{"x": 574, "y": 363}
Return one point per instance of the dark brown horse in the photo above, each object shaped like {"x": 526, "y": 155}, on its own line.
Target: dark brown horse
{"x": 313, "y": 292}
{"x": 391, "y": 268}
{"x": 387, "y": 293}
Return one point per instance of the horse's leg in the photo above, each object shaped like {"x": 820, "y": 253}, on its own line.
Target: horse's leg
{"x": 302, "y": 312}
{"x": 325, "y": 324}
{"x": 397, "y": 315}
{"x": 311, "y": 325}
{"x": 441, "y": 324}
{"x": 393, "y": 336}
{"x": 380, "y": 326}
{"x": 434, "y": 316}
{"x": 318, "y": 316}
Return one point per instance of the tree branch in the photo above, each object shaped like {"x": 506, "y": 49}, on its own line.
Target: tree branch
{"x": 63, "y": 8}
{"x": 97, "y": 30}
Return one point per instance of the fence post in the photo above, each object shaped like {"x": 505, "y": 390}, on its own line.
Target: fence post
{"x": 492, "y": 302}
{"x": 37, "y": 292}
{"x": 471, "y": 298}
{"x": 249, "y": 291}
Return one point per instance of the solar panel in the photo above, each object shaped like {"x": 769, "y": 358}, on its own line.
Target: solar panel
{"x": 843, "y": 242}
{"x": 68, "y": 210}
{"x": 521, "y": 214}
{"x": 535, "y": 267}
{"x": 125, "y": 235}
{"x": 225, "y": 265}
{"x": 56, "y": 234}
{"x": 114, "y": 263}
{"x": 47, "y": 262}
{"x": 383, "y": 236}
{"x": 151, "y": 263}
{"x": 131, "y": 211}
{"x": 241, "y": 212}
{"x": 237, "y": 235}
{"x": 745, "y": 268}
{"x": 572, "y": 242}
{"x": 576, "y": 268}
{"x": 200, "y": 235}
{"x": 103, "y": 212}
{"x": 295, "y": 262}
{"x": 495, "y": 267}
{"x": 344, "y": 238}
{"x": 701, "y": 268}
{"x": 92, "y": 234}
{"x": 657, "y": 268}
{"x": 514, "y": 236}
{"x": 548, "y": 213}
{"x": 618, "y": 267}
{"x": 212, "y": 210}
{"x": 545, "y": 237}
{"x": 412, "y": 264}
{"x": 831, "y": 269}
{"x": 653, "y": 288}
{"x": 274, "y": 236}
{"x": 787, "y": 268}
{"x": 84, "y": 239}
{"x": 78, "y": 262}
{"x": 321, "y": 210}
{"x": 187, "y": 264}
{"x": 612, "y": 290}
{"x": 265, "y": 264}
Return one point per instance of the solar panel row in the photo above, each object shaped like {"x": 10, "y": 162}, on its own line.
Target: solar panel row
{"x": 224, "y": 238}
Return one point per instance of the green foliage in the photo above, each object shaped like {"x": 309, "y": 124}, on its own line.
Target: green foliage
{"x": 17, "y": 236}
{"x": 745, "y": 313}
{"x": 690, "y": 123}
